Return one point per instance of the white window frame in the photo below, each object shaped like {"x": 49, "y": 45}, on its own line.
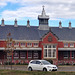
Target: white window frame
{"x": 22, "y": 44}
{"x": 51, "y": 48}
{"x": 65, "y": 44}
{"x": 35, "y": 44}
{"x": 29, "y": 44}
{"x": 71, "y": 44}
{"x": 16, "y": 44}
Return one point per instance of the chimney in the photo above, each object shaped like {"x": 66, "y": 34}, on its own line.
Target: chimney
{"x": 2, "y": 23}
{"x": 28, "y": 23}
{"x": 60, "y": 26}
{"x": 70, "y": 25}
{"x": 15, "y": 24}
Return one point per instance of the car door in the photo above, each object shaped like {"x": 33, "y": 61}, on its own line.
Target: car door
{"x": 39, "y": 66}
{"x": 33, "y": 65}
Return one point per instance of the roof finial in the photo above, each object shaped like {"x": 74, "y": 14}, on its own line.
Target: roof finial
{"x": 15, "y": 24}
{"x": 60, "y": 24}
{"x": 43, "y": 7}
{"x": 43, "y": 11}
{"x": 70, "y": 25}
{"x": 28, "y": 23}
{"x": 2, "y": 24}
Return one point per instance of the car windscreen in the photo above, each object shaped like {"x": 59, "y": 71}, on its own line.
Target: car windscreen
{"x": 45, "y": 62}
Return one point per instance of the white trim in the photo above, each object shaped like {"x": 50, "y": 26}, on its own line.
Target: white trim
{"x": 66, "y": 41}
{"x": 28, "y": 49}
{"x": 21, "y": 40}
{"x": 2, "y": 48}
{"x": 24, "y": 49}
{"x": 65, "y": 49}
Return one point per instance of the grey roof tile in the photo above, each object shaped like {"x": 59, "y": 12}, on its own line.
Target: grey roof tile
{"x": 33, "y": 33}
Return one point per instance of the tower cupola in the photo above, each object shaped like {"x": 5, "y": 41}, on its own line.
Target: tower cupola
{"x": 43, "y": 20}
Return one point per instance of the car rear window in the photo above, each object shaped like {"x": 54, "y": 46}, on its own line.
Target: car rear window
{"x": 33, "y": 62}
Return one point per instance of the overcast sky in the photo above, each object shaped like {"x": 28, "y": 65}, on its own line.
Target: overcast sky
{"x": 22, "y": 10}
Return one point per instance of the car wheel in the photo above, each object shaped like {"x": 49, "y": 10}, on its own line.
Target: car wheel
{"x": 44, "y": 69}
{"x": 29, "y": 69}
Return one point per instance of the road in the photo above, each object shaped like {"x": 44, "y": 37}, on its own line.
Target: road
{"x": 24, "y": 67}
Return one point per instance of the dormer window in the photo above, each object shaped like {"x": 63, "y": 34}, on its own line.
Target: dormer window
{"x": 16, "y": 44}
{"x": 29, "y": 44}
{"x": 35, "y": 44}
{"x": 65, "y": 44}
{"x": 22, "y": 44}
{"x": 71, "y": 44}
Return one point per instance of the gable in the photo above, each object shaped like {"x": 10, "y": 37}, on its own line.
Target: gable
{"x": 49, "y": 38}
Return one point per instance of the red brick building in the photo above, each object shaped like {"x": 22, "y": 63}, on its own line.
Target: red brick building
{"x": 38, "y": 42}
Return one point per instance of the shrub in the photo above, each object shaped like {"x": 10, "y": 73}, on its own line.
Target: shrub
{"x": 67, "y": 64}
{"x": 8, "y": 63}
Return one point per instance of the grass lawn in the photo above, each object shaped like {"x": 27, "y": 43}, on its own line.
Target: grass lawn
{"x": 13, "y": 72}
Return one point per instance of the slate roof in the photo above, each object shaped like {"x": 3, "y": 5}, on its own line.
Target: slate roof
{"x": 33, "y": 33}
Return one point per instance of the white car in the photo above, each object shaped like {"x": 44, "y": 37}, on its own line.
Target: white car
{"x": 41, "y": 65}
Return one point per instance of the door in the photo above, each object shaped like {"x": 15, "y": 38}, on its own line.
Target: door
{"x": 39, "y": 66}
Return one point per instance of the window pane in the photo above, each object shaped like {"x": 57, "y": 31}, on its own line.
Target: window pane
{"x": 45, "y": 53}
{"x": 49, "y": 46}
{"x": 54, "y": 53}
{"x": 49, "y": 53}
{"x": 72, "y": 54}
{"x": 65, "y": 44}
{"x": 66, "y": 54}
{"x": 22, "y": 43}
{"x": 54, "y": 46}
{"x": 71, "y": 44}
{"x": 16, "y": 54}
{"x": 23, "y": 54}
{"x": 45, "y": 46}
{"x": 33, "y": 62}
{"x": 35, "y": 54}
{"x": 38, "y": 62}
{"x": 30, "y": 54}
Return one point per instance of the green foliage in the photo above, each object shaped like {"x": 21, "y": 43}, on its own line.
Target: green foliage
{"x": 21, "y": 63}
{"x": 16, "y": 72}
{"x": 8, "y": 63}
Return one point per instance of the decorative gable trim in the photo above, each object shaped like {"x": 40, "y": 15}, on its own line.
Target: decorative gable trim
{"x": 49, "y": 35}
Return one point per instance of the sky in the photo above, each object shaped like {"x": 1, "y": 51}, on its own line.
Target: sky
{"x": 22, "y": 10}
